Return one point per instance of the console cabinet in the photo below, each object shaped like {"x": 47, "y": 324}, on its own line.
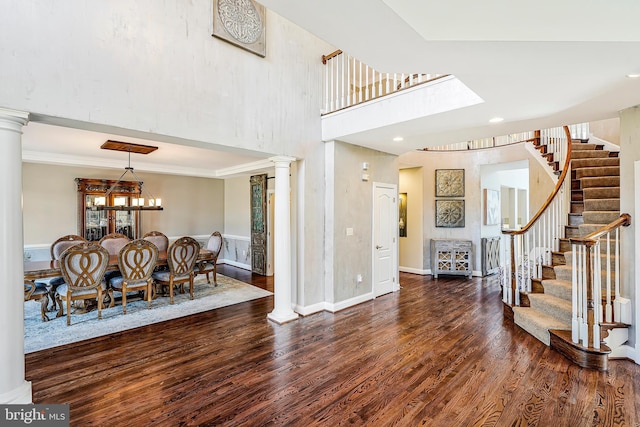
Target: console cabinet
{"x": 451, "y": 257}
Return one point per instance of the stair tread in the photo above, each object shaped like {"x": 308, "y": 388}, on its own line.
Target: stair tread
{"x": 537, "y": 323}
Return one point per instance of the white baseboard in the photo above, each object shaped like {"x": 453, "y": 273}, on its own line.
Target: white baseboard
{"x": 626, "y": 352}
{"x": 414, "y": 270}
{"x": 309, "y": 309}
{"x": 234, "y": 263}
{"x": 334, "y": 307}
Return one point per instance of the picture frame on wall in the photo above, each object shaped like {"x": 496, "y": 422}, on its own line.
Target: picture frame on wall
{"x": 450, "y": 213}
{"x": 241, "y": 23}
{"x": 449, "y": 182}
{"x": 402, "y": 215}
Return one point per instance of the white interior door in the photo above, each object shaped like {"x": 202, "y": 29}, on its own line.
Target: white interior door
{"x": 385, "y": 238}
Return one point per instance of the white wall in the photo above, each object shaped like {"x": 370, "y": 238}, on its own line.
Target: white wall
{"x": 154, "y": 67}
{"x": 237, "y": 207}
{"x": 411, "y": 246}
{"x": 471, "y": 161}
{"x": 629, "y": 154}
{"x": 192, "y": 206}
{"x": 351, "y": 207}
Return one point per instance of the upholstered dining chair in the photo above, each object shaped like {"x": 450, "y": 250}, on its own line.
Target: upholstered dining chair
{"x": 113, "y": 242}
{"x": 37, "y": 292}
{"x": 136, "y": 261}
{"x": 181, "y": 257}
{"x": 159, "y": 239}
{"x": 57, "y": 248}
{"x": 214, "y": 244}
{"x": 82, "y": 266}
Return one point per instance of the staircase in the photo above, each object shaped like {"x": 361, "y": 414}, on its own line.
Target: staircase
{"x": 546, "y": 311}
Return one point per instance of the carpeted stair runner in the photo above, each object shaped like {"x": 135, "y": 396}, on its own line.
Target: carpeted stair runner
{"x": 595, "y": 202}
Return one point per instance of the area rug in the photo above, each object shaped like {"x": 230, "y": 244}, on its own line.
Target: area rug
{"x": 39, "y": 335}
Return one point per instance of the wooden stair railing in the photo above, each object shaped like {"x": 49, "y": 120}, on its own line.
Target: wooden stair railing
{"x": 588, "y": 274}
{"x": 531, "y": 247}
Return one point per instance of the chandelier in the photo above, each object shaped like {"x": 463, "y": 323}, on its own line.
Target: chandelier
{"x": 120, "y": 202}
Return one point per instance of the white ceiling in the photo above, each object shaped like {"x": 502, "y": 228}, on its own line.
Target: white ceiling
{"x": 45, "y": 143}
{"x": 537, "y": 64}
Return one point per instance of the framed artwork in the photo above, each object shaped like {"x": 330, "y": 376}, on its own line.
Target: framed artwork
{"x": 402, "y": 215}
{"x": 242, "y": 23}
{"x": 450, "y": 213}
{"x": 449, "y": 182}
{"x": 491, "y": 207}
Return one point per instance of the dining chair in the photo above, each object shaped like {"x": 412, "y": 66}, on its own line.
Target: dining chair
{"x": 57, "y": 248}
{"x": 159, "y": 239}
{"x": 214, "y": 244}
{"x": 34, "y": 291}
{"x": 113, "y": 242}
{"x": 136, "y": 261}
{"x": 83, "y": 267}
{"x": 181, "y": 258}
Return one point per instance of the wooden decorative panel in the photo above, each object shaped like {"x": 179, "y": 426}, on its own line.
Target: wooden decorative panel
{"x": 259, "y": 224}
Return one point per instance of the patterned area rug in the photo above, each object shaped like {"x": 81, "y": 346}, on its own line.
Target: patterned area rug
{"x": 39, "y": 335}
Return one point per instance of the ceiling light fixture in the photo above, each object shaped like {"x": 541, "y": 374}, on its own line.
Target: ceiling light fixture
{"x": 137, "y": 203}
{"x": 496, "y": 120}
{"x": 633, "y": 76}
{"x": 398, "y": 139}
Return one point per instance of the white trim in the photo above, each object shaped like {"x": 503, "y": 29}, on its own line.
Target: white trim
{"x": 609, "y": 146}
{"x": 334, "y": 307}
{"x": 626, "y": 352}
{"x": 235, "y": 264}
{"x": 99, "y": 162}
{"x": 392, "y": 95}
{"x": 19, "y": 395}
{"x": 256, "y": 166}
{"x": 310, "y": 309}
{"x": 234, "y": 237}
{"x": 412, "y": 270}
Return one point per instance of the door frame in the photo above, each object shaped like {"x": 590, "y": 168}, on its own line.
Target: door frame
{"x": 394, "y": 226}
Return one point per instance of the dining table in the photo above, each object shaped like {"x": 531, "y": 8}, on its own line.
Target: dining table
{"x": 34, "y": 270}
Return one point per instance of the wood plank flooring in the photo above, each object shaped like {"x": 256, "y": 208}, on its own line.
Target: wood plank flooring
{"x": 437, "y": 353}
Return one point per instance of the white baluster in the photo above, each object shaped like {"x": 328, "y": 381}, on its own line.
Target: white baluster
{"x": 608, "y": 306}
{"x": 575, "y": 322}
{"x": 597, "y": 295}
{"x": 617, "y": 307}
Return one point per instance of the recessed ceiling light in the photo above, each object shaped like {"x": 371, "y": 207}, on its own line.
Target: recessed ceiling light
{"x": 398, "y": 139}
{"x": 496, "y": 120}
{"x": 633, "y": 76}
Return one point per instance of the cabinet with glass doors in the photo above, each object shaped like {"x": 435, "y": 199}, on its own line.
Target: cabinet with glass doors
{"x": 101, "y": 212}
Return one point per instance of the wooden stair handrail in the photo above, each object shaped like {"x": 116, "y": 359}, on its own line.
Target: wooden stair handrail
{"x": 588, "y": 242}
{"x": 623, "y": 221}
{"x": 556, "y": 190}
{"x": 333, "y": 54}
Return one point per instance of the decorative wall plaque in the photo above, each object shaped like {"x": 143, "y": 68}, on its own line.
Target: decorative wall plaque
{"x": 449, "y": 182}
{"x": 450, "y": 213}
{"x": 242, "y": 23}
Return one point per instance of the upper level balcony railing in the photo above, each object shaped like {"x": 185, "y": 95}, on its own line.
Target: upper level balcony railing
{"x": 348, "y": 82}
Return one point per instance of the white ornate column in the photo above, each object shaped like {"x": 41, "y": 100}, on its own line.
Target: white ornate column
{"x": 282, "y": 311}
{"x": 13, "y": 387}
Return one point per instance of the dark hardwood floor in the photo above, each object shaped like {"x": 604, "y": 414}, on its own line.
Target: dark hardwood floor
{"x": 437, "y": 353}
